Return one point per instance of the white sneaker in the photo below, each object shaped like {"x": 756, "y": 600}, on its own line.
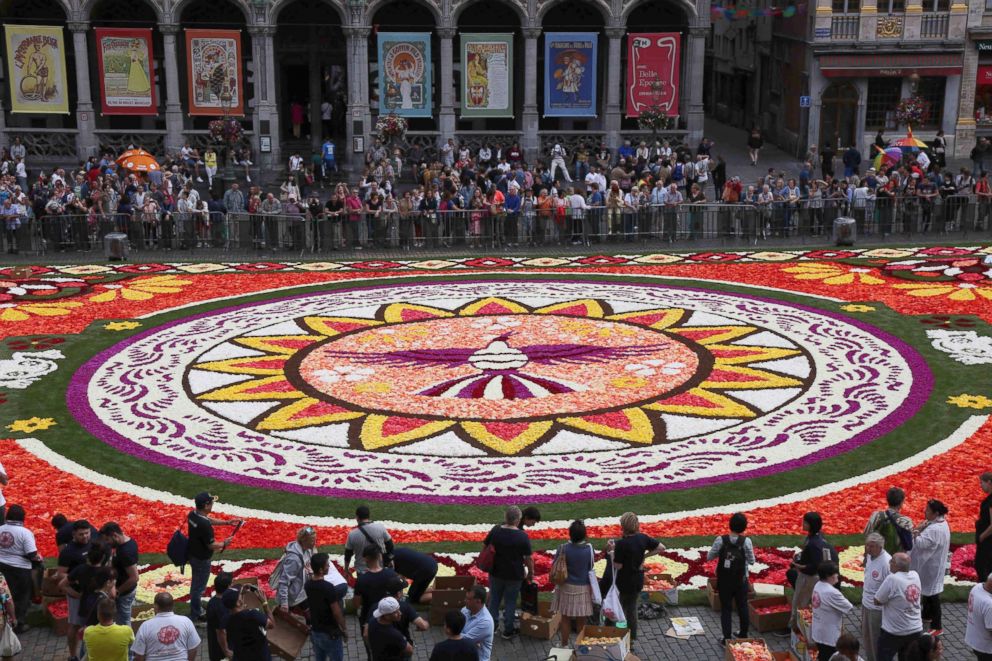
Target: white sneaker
{"x": 199, "y": 179}
{"x": 248, "y": 179}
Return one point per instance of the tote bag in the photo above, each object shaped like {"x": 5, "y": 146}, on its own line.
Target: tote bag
{"x": 597, "y": 596}
{"x": 9, "y": 644}
{"x": 612, "y": 610}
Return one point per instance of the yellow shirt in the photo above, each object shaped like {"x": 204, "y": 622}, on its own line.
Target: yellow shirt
{"x": 108, "y": 643}
{"x": 210, "y": 159}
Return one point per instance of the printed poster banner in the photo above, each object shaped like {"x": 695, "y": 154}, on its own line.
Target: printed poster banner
{"x": 405, "y": 73}
{"x": 653, "y": 72}
{"x": 487, "y": 75}
{"x": 213, "y": 71}
{"x": 36, "y": 69}
{"x": 127, "y": 72}
{"x": 570, "y": 75}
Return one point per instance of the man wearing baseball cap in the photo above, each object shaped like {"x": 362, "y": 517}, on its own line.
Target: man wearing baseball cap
{"x": 201, "y": 548}
{"x": 385, "y": 640}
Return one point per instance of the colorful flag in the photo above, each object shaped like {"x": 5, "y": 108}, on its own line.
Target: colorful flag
{"x": 213, "y": 69}
{"x": 487, "y": 75}
{"x": 570, "y": 74}
{"x": 36, "y": 69}
{"x": 653, "y": 72}
{"x": 126, "y": 71}
{"x": 405, "y": 73}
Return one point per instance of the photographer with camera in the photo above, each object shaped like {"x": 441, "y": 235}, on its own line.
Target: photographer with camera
{"x": 247, "y": 627}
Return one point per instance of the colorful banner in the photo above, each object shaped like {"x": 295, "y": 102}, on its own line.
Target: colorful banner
{"x": 405, "y": 73}
{"x": 487, "y": 75}
{"x": 36, "y": 69}
{"x": 653, "y": 72}
{"x": 570, "y": 74}
{"x": 213, "y": 72}
{"x": 126, "y": 71}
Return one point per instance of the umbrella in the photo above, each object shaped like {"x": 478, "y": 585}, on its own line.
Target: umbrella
{"x": 886, "y": 156}
{"x": 138, "y": 160}
{"x": 909, "y": 141}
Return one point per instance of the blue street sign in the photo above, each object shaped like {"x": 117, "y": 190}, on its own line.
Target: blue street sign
{"x": 805, "y": 102}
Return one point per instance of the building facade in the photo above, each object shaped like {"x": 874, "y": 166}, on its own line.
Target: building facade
{"x": 311, "y": 53}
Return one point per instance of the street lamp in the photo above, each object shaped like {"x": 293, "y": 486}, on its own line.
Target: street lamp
{"x": 226, "y": 99}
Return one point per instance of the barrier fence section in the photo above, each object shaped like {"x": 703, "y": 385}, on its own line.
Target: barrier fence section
{"x": 742, "y": 224}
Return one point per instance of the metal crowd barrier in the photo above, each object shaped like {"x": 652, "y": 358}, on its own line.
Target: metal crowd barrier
{"x": 480, "y": 229}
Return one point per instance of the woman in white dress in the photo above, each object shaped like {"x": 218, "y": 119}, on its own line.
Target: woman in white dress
{"x": 931, "y": 544}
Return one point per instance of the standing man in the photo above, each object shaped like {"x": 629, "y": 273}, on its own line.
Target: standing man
{"x": 107, "y": 641}
{"x": 366, "y": 532}
{"x": 71, "y": 556}
{"x": 479, "y": 626}
{"x": 877, "y": 562}
{"x": 512, "y": 563}
{"x": 234, "y": 199}
{"x": 385, "y": 640}
{"x": 983, "y": 530}
{"x": 902, "y": 618}
{"x": 167, "y": 636}
{"x": 558, "y": 155}
{"x": 736, "y": 555}
{"x": 455, "y": 647}
{"x": 124, "y": 560}
{"x": 978, "y": 633}
{"x": 328, "y": 632}
{"x": 17, "y": 553}
{"x": 328, "y": 159}
{"x": 246, "y": 627}
{"x": 895, "y": 529}
{"x": 201, "y": 548}
{"x": 217, "y": 616}
{"x": 829, "y": 608}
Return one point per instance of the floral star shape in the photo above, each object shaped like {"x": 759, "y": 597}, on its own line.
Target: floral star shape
{"x": 122, "y": 325}
{"x": 31, "y": 425}
{"x": 857, "y": 308}
{"x": 970, "y": 401}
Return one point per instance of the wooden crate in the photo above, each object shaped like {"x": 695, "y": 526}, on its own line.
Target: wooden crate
{"x": 712, "y": 595}
{"x": 543, "y": 626}
{"x": 763, "y": 622}
{"x": 60, "y": 625}
{"x": 443, "y": 601}
{"x": 663, "y": 596}
{"x": 462, "y": 583}
{"x": 618, "y": 650}
{"x": 50, "y": 583}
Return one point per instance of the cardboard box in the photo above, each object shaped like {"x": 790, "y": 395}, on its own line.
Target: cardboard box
{"x": 729, "y": 656}
{"x": 618, "y": 650}
{"x": 285, "y": 640}
{"x": 763, "y": 622}
{"x": 60, "y": 625}
{"x": 443, "y": 601}
{"x": 50, "y": 583}
{"x": 136, "y": 610}
{"x": 781, "y": 656}
{"x": 461, "y": 583}
{"x": 247, "y": 580}
{"x": 543, "y": 626}
{"x": 712, "y": 595}
{"x": 663, "y": 596}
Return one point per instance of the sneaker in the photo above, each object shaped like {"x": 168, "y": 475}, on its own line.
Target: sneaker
{"x": 509, "y": 634}
{"x": 248, "y": 179}
{"x": 199, "y": 179}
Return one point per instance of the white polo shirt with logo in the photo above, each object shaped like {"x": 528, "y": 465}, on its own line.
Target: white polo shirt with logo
{"x": 829, "y": 606}
{"x": 876, "y": 569}
{"x": 16, "y": 541}
{"x": 166, "y": 637}
{"x": 978, "y": 634}
{"x": 900, "y": 595}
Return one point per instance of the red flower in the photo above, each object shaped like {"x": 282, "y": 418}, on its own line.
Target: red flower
{"x": 34, "y": 343}
{"x": 143, "y": 268}
{"x": 488, "y": 262}
{"x": 714, "y": 257}
{"x": 375, "y": 264}
{"x": 602, "y": 260}
{"x": 260, "y": 266}
{"x": 830, "y": 254}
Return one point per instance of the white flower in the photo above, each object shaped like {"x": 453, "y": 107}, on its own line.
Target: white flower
{"x": 652, "y": 367}
{"x": 346, "y": 373}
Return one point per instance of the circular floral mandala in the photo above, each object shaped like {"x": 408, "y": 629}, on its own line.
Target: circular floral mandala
{"x": 444, "y": 391}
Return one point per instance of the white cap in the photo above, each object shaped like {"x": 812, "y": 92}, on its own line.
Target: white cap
{"x": 387, "y": 606}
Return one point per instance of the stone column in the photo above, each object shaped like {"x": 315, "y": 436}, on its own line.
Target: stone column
{"x": 173, "y": 108}
{"x": 358, "y": 90}
{"x": 86, "y": 140}
{"x": 613, "y": 82}
{"x": 913, "y": 23}
{"x": 868, "y": 27}
{"x": 266, "y": 109}
{"x": 447, "y": 116}
{"x": 817, "y": 84}
{"x": 964, "y": 131}
{"x": 531, "y": 142}
{"x": 316, "y": 96}
{"x": 695, "y": 54}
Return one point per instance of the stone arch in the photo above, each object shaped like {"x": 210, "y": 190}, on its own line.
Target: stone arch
{"x": 86, "y": 9}
{"x": 177, "y": 10}
{"x": 687, "y": 6}
{"x": 376, "y": 5}
{"x": 603, "y": 7}
{"x": 66, "y": 6}
{"x": 279, "y": 5}
{"x": 518, "y": 9}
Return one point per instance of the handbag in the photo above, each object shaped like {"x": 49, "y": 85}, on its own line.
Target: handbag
{"x": 486, "y": 558}
{"x": 612, "y": 610}
{"x": 9, "y": 644}
{"x": 559, "y": 568}
{"x": 597, "y": 596}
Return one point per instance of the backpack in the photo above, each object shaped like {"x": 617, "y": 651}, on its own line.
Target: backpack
{"x": 731, "y": 566}
{"x": 178, "y": 549}
{"x": 896, "y": 537}
{"x": 280, "y": 568}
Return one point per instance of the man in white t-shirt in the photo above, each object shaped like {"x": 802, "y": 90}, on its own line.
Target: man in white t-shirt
{"x": 167, "y": 636}
{"x": 829, "y": 608}
{"x": 876, "y": 569}
{"x": 902, "y": 618}
{"x": 17, "y": 547}
{"x": 366, "y": 532}
{"x": 978, "y": 633}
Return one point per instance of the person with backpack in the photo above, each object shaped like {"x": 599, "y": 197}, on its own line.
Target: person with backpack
{"x": 896, "y": 529}
{"x": 367, "y": 532}
{"x": 293, "y": 571}
{"x": 735, "y": 555}
{"x": 803, "y": 573}
{"x": 201, "y": 548}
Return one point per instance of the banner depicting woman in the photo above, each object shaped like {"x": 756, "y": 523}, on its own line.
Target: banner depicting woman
{"x": 487, "y": 75}
{"x": 36, "y": 69}
{"x": 127, "y": 71}
{"x": 405, "y": 73}
{"x": 213, "y": 73}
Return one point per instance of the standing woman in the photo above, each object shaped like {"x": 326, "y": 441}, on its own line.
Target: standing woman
{"x": 939, "y": 145}
{"x": 983, "y": 530}
{"x": 754, "y": 144}
{"x": 573, "y": 598}
{"x": 931, "y": 544}
{"x": 629, "y": 554}
{"x": 353, "y": 205}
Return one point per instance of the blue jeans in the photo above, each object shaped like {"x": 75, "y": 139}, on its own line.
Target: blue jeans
{"x": 201, "y": 574}
{"x": 506, "y": 591}
{"x": 124, "y": 604}
{"x": 326, "y": 648}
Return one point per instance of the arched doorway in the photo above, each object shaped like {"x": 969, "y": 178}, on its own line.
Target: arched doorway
{"x": 655, "y": 17}
{"x": 311, "y": 70}
{"x": 839, "y": 116}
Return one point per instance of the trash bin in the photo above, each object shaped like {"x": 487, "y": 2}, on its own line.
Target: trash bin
{"x": 116, "y": 246}
{"x": 845, "y": 231}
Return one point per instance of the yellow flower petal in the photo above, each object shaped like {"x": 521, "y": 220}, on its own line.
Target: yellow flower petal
{"x": 962, "y": 295}
{"x": 130, "y": 294}
{"x": 105, "y": 297}
{"x": 12, "y": 314}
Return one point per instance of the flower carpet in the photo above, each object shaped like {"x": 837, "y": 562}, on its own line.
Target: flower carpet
{"x": 681, "y": 387}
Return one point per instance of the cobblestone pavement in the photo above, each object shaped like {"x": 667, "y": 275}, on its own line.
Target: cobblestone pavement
{"x": 652, "y": 645}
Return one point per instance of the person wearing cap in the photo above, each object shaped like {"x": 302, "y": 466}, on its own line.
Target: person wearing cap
{"x": 384, "y": 639}
{"x": 201, "y": 548}
{"x": 408, "y": 614}
{"x": 167, "y": 636}
{"x": 246, "y": 627}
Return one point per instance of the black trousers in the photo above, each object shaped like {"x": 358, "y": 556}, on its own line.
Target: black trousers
{"x": 931, "y": 610}
{"x": 729, "y": 597}
{"x": 19, "y": 581}
{"x": 889, "y": 645}
{"x": 824, "y": 651}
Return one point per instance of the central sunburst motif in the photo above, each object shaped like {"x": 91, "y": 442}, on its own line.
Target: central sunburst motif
{"x": 503, "y": 376}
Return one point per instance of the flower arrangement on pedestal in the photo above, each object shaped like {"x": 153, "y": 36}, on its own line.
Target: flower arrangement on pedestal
{"x": 390, "y": 127}
{"x": 227, "y": 131}
{"x": 913, "y": 110}
{"x": 655, "y": 117}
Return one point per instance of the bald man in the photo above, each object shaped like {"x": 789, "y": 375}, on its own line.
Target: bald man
{"x": 902, "y": 618}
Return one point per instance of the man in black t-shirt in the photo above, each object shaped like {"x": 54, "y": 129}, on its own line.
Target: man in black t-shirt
{"x": 246, "y": 627}
{"x": 63, "y": 531}
{"x": 419, "y": 568}
{"x": 201, "y": 549}
{"x": 408, "y": 614}
{"x": 125, "y": 563}
{"x": 512, "y": 563}
{"x": 217, "y": 617}
{"x": 328, "y": 628}
{"x": 372, "y": 586}
{"x": 71, "y": 556}
{"x": 385, "y": 641}
{"x": 455, "y": 648}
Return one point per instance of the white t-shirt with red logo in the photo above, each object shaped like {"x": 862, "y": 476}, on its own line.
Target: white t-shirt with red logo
{"x": 900, "y": 595}
{"x": 16, "y": 541}
{"x": 829, "y": 606}
{"x": 978, "y": 634}
{"x": 166, "y": 637}
{"x": 876, "y": 569}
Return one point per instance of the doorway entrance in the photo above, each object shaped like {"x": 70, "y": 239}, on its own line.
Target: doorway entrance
{"x": 839, "y": 116}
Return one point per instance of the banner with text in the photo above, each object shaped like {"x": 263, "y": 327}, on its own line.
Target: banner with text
{"x": 213, "y": 72}
{"x": 126, "y": 71}
{"x": 405, "y": 73}
{"x": 487, "y": 75}
{"x": 36, "y": 69}
{"x": 570, "y": 74}
{"x": 653, "y": 73}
